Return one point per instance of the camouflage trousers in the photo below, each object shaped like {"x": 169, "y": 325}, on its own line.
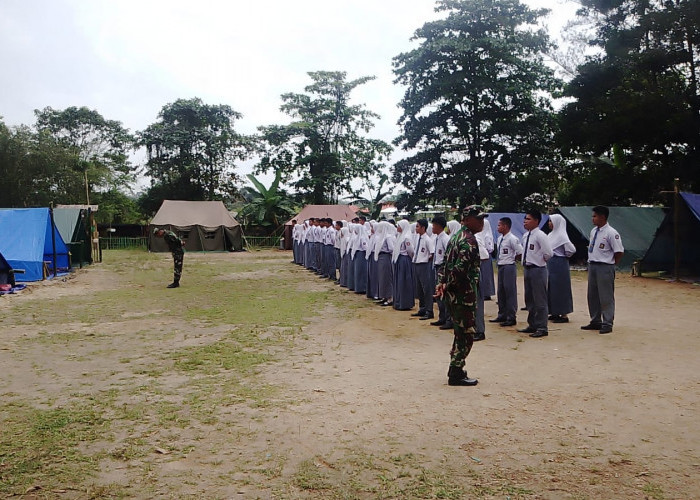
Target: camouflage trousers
{"x": 178, "y": 257}
{"x": 463, "y": 322}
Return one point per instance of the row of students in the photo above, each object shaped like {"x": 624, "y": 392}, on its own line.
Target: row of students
{"x": 397, "y": 264}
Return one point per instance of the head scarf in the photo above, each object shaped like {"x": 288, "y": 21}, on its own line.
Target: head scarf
{"x": 344, "y": 239}
{"x": 380, "y": 236}
{"x": 404, "y": 235}
{"x": 558, "y": 236}
{"x": 453, "y": 227}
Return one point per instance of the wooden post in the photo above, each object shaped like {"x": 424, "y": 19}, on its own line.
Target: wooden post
{"x": 676, "y": 231}
{"x": 53, "y": 241}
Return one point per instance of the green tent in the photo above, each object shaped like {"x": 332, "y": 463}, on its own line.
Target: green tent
{"x": 636, "y": 225}
{"x": 73, "y": 225}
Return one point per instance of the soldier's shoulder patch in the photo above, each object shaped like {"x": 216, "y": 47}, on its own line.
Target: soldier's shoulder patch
{"x": 617, "y": 236}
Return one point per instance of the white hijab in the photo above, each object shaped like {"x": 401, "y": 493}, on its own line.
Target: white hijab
{"x": 453, "y": 226}
{"x": 559, "y": 237}
{"x": 380, "y": 236}
{"x": 485, "y": 240}
{"x": 372, "y": 238}
{"x": 344, "y": 239}
{"x": 405, "y": 234}
{"x": 362, "y": 240}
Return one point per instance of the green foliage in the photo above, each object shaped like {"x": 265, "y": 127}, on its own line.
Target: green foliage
{"x": 101, "y": 145}
{"x": 325, "y": 147}
{"x": 266, "y": 206}
{"x": 641, "y": 96}
{"x": 191, "y": 150}
{"x": 476, "y": 118}
{"x": 117, "y": 208}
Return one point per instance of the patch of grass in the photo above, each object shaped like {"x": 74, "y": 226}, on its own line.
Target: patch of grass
{"x": 654, "y": 491}
{"x": 40, "y": 446}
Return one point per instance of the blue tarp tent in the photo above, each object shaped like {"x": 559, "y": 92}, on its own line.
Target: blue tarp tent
{"x": 26, "y": 243}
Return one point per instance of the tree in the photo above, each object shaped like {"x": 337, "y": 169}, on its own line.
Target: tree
{"x": 376, "y": 195}
{"x": 101, "y": 145}
{"x": 266, "y": 206}
{"x": 36, "y": 169}
{"x": 192, "y": 150}
{"x": 325, "y": 148}
{"x": 477, "y": 116}
{"x": 638, "y": 100}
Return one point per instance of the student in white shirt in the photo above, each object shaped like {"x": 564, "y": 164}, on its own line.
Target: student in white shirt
{"x": 604, "y": 253}
{"x": 423, "y": 271}
{"x": 507, "y": 248}
{"x": 536, "y": 253}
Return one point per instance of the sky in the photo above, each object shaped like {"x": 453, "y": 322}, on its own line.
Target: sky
{"x": 128, "y": 58}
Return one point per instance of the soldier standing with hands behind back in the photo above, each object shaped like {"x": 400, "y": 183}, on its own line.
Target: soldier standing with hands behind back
{"x": 457, "y": 282}
{"x": 175, "y": 245}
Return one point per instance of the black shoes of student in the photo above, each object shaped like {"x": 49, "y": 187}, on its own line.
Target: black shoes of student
{"x": 418, "y": 314}
{"x": 479, "y": 336}
{"x": 426, "y": 317}
{"x": 447, "y": 326}
{"x": 508, "y": 323}
{"x": 559, "y": 319}
{"x": 174, "y": 284}
{"x": 497, "y": 320}
{"x": 457, "y": 377}
{"x": 437, "y": 323}
{"x": 592, "y": 326}
{"x": 529, "y": 329}
{"x": 386, "y": 304}
{"x": 539, "y": 333}
{"x": 605, "y": 329}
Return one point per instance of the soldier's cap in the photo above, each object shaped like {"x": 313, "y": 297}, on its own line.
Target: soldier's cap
{"x": 474, "y": 211}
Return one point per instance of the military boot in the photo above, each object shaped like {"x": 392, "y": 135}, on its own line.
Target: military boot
{"x": 174, "y": 284}
{"x": 455, "y": 376}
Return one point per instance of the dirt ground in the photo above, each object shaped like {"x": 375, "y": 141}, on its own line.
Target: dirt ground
{"x": 573, "y": 415}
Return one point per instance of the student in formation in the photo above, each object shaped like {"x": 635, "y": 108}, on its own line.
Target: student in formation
{"x": 536, "y": 253}
{"x": 383, "y": 249}
{"x": 604, "y": 252}
{"x": 423, "y": 271}
{"x": 338, "y": 225}
{"x": 372, "y": 283}
{"x": 359, "y": 259}
{"x": 344, "y": 255}
{"x": 352, "y": 244}
{"x": 508, "y": 248}
{"x": 441, "y": 240}
{"x": 561, "y": 300}
{"x": 404, "y": 291}
{"x": 485, "y": 240}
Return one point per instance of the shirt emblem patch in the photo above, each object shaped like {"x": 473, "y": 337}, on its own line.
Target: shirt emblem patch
{"x": 602, "y": 245}
{"x": 617, "y": 236}
{"x": 532, "y": 246}
{"x": 505, "y": 251}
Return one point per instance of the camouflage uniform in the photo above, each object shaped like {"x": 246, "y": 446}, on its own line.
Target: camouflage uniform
{"x": 175, "y": 246}
{"x": 460, "y": 275}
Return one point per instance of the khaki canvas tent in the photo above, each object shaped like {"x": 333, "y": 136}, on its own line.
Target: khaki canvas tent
{"x": 335, "y": 212}
{"x": 203, "y": 225}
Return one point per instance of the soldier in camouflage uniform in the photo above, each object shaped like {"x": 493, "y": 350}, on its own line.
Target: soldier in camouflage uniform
{"x": 458, "y": 280}
{"x": 175, "y": 245}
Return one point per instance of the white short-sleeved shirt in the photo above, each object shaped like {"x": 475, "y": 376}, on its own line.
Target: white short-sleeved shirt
{"x": 508, "y": 247}
{"x": 441, "y": 241}
{"x": 538, "y": 250}
{"x": 603, "y": 247}
{"x": 425, "y": 248}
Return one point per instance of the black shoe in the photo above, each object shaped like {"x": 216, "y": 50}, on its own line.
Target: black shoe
{"x": 427, "y": 316}
{"x": 447, "y": 326}
{"x": 437, "y": 323}
{"x": 592, "y": 326}
{"x": 497, "y": 320}
{"x": 529, "y": 329}
{"x": 538, "y": 334}
{"x": 523, "y": 308}
{"x": 487, "y": 298}
{"x": 509, "y": 323}
{"x": 456, "y": 376}
{"x": 560, "y": 319}
{"x": 605, "y": 329}
{"x": 479, "y": 336}
{"x": 174, "y": 284}
{"x": 418, "y": 314}
{"x": 386, "y": 304}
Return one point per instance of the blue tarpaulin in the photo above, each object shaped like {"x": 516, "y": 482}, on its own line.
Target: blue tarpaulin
{"x": 25, "y": 242}
{"x": 693, "y": 202}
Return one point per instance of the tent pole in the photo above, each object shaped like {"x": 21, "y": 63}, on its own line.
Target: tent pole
{"x": 676, "y": 217}
{"x": 53, "y": 240}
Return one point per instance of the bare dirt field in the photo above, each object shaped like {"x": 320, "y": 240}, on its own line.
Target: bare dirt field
{"x": 256, "y": 379}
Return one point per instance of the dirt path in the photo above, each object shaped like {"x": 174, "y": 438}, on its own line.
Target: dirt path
{"x": 366, "y": 409}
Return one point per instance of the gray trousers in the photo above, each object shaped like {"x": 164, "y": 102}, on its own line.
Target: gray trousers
{"x": 536, "y": 297}
{"x": 443, "y": 312}
{"x": 425, "y": 286}
{"x": 601, "y": 293}
{"x": 507, "y": 292}
{"x": 479, "y": 322}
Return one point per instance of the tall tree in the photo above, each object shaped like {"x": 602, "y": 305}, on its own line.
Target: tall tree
{"x": 638, "y": 100}
{"x": 192, "y": 150}
{"x": 477, "y": 116}
{"x": 268, "y": 207}
{"x": 36, "y": 169}
{"x": 325, "y": 148}
{"x": 102, "y": 145}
